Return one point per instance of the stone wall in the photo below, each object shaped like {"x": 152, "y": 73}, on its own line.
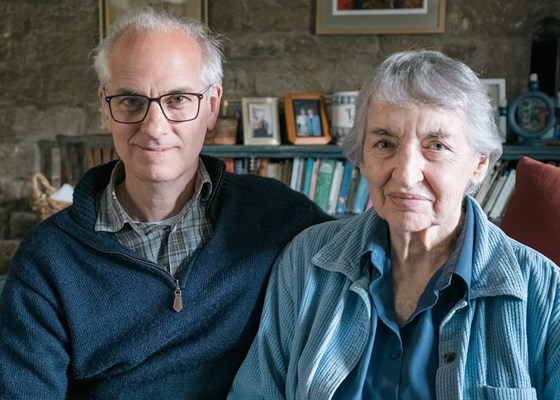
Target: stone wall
{"x": 48, "y": 88}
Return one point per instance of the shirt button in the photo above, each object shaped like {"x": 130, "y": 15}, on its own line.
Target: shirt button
{"x": 449, "y": 357}
{"x": 395, "y": 354}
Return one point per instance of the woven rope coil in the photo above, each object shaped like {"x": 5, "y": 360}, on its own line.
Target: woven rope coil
{"x": 41, "y": 201}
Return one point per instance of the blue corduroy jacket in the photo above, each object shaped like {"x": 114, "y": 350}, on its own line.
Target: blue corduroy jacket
{"x": 501, "y": 343}
{"x": 82, "y": 316}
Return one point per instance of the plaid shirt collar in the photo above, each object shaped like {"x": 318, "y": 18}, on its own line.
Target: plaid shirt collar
{"x": 112, "y": 217}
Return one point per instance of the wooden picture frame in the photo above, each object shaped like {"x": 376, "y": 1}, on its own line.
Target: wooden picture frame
{"x": 306, "y": 118}
{"x": 110, "y": 10}
{"x": 335, "y": 17}
{"x": 260, "y": 121}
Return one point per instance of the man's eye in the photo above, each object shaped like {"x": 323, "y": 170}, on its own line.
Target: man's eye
{"x": 131, "y": 101}
{"x": 177, "y": 99}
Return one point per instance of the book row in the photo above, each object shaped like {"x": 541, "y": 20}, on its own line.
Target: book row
{"x": 497, "y": 189}
{"x": 336, "y": 185}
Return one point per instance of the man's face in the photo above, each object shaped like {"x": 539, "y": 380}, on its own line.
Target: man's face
{"x": 153, "y": 64}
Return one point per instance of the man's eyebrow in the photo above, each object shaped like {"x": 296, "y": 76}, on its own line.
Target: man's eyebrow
{"x": 181, "y": 90}
{"x": 125, "y": 92}
{"x": 131, "y": 92}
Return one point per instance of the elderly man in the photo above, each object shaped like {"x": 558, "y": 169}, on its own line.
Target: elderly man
{"x": 150, "y": 285}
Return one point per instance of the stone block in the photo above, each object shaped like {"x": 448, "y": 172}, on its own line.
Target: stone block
{"x": 35, "y": 124}
{"x": 15, "y": 190}
{"x": 7, "y": 250}
{"x": 19, "y": 159}
{"x": 21, "y": 222}
{"x": 4, "y": 223}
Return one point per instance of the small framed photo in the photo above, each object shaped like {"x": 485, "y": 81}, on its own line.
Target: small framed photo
{"x": 497, "y": 91}
{"x": 260, "y": 121}
{"x": 306, "y": 118}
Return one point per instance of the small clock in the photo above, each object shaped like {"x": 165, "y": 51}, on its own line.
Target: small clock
{"x": 531, "y": 114}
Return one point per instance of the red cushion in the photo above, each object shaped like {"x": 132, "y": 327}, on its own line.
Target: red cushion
{"x": 533, "y": 212}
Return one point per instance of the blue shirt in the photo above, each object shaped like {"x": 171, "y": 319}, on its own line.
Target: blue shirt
{"x": 401, "y": 363}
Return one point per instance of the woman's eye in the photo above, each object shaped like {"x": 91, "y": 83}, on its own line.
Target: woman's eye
{"x": 438, "y": 146}
{"x": 383, "y": 144}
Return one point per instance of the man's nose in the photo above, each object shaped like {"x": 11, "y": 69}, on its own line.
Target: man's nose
{"x": 155, "y": 122}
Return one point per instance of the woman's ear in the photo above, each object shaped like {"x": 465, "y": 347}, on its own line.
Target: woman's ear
{"x": 480, "y": 169}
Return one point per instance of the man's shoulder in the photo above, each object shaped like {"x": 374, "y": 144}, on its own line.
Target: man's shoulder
{"x": 251, "y": 196}
{"x": 256, "y": 186}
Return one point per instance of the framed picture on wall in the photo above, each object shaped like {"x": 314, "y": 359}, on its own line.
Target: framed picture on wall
{"x": 306, "y": 118}
{"x": 497, "y": 90}
{"x": 110, "y": 10}
{"x": 260, "y": 121}
{"x": 351, "y": 17}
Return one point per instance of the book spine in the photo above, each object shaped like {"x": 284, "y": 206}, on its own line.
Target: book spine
{"x": 342, "y": 197}
{"x": 324, "y": 181}
{"x": 308, "y": 174}
{"x": 362, "y": 195}
{"x": 295, "y": 173}
{"x": 313, "y": 183}
{"x": 335, "y": 186}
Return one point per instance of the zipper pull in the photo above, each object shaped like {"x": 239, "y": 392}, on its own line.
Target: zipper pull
{"x": 178, "y": 299}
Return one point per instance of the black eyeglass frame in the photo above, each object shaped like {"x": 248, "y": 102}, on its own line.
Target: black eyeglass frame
{"x": 200, "y": 96}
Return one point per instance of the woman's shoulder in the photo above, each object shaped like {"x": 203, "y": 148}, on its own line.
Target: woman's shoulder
{"x": 333, "y": 244}
{"x": 534, "y": 270}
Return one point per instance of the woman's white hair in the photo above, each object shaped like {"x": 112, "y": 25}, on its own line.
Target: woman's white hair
{"x": 428, "y": 78}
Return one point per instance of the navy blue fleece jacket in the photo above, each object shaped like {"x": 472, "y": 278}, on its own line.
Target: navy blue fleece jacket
{"x": 82, "y": 316}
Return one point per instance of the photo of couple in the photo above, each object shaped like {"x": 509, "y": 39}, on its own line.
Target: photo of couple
{"x": 308, "y": 121}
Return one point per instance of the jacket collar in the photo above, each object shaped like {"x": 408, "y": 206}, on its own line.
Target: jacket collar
{"x": 495, "y": 272}
{"x": 496, "y": 268}
{"x": 343, "y": 252}
{"x": 84, "y": 207}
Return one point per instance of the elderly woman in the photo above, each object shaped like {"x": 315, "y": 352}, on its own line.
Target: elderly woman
{"x": 421, "y": 297}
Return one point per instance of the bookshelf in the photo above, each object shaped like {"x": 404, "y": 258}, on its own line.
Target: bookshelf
{"x": 282, "y": 151}
{"x": 511, "y": 152}
{"x": 541, "y": 153}
{"x": 281, "y": 157}
{"x": 493, "y": 195}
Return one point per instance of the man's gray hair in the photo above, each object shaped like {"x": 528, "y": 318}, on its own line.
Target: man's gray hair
{"x": 160, "y": 20}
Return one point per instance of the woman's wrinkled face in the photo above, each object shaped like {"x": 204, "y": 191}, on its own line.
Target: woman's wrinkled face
{"x": 418, "y": 163}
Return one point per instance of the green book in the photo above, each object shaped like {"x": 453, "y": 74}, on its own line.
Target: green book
{"x": 324, "y": 181}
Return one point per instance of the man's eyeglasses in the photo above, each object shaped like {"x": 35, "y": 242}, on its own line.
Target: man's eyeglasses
{"x": 133, "y": 108}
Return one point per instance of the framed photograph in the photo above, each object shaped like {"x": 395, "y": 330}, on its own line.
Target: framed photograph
{"x": 355, "y": 17}
{"x": 260, "y": 121}
{"x": 306, "y": 118}
{"x": 110, "y": 10}
{"x": 497, "y": 92}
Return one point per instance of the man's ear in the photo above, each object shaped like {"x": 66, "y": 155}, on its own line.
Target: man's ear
{"x": 215, "y": 99}
{"x": 104, "y": 106}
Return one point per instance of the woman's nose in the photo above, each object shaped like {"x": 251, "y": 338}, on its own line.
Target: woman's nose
{"x": 409, "y": 167}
